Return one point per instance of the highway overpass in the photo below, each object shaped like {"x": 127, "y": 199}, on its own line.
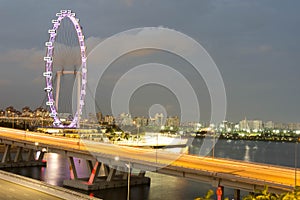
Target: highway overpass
{"x": 238, "y": 175}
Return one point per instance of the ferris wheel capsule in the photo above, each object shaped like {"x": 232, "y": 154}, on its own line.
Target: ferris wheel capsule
{"x": 48, "y": 58}
{"x": 51, "y": 31}
{"x": 53, "y": 114}
{"x": 54, "y": 21}
{"x": 56, "y": 123}
{"x": 47, "y": 74}
{"x": 48, "y": 44}
{"x": 49, "y": 103}
{"x": 48, "y": 89}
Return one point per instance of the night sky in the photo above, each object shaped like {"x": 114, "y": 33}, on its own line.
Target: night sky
{"x": 255, "y": 45}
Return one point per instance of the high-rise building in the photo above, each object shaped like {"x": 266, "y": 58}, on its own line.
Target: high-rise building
{"x": 243, "y": 125}
{"x": 140, "y": 121}
{"x": 269, "y": 125}
{"x": 157, "y": 120}
{"x": 256, "y": 125}
{"x": 124, "y": 119}
{"x": 250, "y": 124}
{"x": 173, "y": 122}
{"x": 294, "y": 126}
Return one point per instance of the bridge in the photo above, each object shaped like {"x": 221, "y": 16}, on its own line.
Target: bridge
{"x": 115, "y": 160}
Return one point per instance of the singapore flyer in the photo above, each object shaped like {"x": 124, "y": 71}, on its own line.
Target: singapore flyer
{"x": 69, "y": 59}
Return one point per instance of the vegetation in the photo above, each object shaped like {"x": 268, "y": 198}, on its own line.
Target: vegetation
{"x": 208, "y": 196}
{"x": 261, "y": 195}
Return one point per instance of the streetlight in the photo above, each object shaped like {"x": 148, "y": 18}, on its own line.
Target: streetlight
{"x": 213, "y": 145}
{"x": 128, "y": 180}
{"x": 138, "y": 132}
{"x": 296, "y": 144}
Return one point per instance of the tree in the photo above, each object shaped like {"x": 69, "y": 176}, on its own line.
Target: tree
{"x": 208, "y": 196}
{"x": 262, "y": 194}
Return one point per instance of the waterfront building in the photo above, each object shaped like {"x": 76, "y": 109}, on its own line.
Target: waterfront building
{"x": 158, "y": 120}
{"x": 243, "y": 125}
{"x": 140, "y": 121}
{"x": 26, "y": 112}
{"x": 281, "y": 126}
{"x": 173, "y": 121}
{"x": 109, "y": 120}
{"x": 256, "y": 125}
{"x": 294, "y": 126}
{"x": 124, "y": 119}
{"x": 2, "y": 113}
{"x": 247, "y": 125}
{"x": 99, "y": 116}
{"x": 269, "y": 125}
{"x": 226, "y": 126}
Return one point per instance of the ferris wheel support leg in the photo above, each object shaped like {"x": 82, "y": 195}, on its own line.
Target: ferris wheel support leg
{"x": 58, "y": 74}
{"x": 78, "y": 98}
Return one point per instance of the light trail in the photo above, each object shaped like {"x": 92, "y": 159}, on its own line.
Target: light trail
{"x": 254, "y": 171}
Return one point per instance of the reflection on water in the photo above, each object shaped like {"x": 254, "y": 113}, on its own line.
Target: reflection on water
{"x": 167, "y": 187}
{"x": 275, "y": 153}
{"x": 247, "y": 157}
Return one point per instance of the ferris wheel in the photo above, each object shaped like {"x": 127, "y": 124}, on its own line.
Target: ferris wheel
{"x": 49, "y": 74}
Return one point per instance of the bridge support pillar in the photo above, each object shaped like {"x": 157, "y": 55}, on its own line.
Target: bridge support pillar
{"x": 106, "y": 169}
{"x": 89, "y": 165}
{"x": 237, "y": 194}
{"x": 30, "y": 155}
{"x": 13, "y": 157}
{"x": 94, "y": 173}
{"x": 73, "y": 172}
{"x": 18, "y": 156}
{"x": 103, "y": 176}
{"x": 111, "y": 174}
{"x": 6, "y": 156}
{"x": 142, "y": 173}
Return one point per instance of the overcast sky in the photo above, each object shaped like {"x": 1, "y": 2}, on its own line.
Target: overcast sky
{"x": 255, "y": 44}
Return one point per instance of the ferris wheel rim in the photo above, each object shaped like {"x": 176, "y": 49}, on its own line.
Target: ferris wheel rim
{"x": 49, "y": 68}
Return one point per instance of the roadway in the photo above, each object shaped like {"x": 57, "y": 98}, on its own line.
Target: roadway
{"x": 14, "y": 191}
{"x": 230, "y": 169}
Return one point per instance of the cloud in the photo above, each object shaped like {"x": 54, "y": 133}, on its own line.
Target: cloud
{"x": 5, "y": 82}
{"x": 38, "y": 80}
{"x": 27, "y": 58}
{"x": 264, "y": 48}
{"x": 32, "y": 59}
{"x": 128, "y": 2}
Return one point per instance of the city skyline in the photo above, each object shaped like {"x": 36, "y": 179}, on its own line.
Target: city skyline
{"x": 254, "y": 44}
{"x": 157, "y": 119}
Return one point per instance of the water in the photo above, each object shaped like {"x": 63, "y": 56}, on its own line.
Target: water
{"x": 168, "y": 187}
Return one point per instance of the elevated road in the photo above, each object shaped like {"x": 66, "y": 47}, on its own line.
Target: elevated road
{"x": 228, "y": 173}
{"x": 13, "y": 186}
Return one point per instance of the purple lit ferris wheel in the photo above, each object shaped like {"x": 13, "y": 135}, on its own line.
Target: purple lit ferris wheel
{"x": 48, "y": 74}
